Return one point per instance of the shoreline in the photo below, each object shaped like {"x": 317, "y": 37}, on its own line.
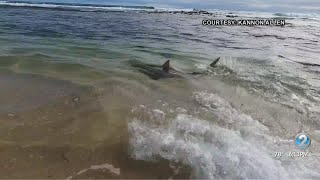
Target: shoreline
{"x": 69, "y": 134}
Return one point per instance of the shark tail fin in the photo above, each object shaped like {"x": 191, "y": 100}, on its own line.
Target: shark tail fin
{"x": 215, "y": 62}
{"x": 166, "y": 66}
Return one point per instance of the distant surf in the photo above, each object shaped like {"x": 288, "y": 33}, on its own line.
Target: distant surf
{"x": 74, "y": 6}
{"x": 298, "y": 15}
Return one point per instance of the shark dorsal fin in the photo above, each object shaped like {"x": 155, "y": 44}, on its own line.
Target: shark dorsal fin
{"x": 166, "y": 66}
{"x": 215, "y": 62}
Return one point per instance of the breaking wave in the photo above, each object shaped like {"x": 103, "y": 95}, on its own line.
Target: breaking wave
{"x": 73, "y": 6}
{"x": 298, "y": 15}
{"x": 228, "y": 144}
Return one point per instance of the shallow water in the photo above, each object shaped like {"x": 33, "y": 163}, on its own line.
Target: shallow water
{"x": 72, "y": 106}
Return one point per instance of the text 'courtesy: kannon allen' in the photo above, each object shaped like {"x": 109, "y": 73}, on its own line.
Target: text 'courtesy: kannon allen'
{"x": 243, "y": 22}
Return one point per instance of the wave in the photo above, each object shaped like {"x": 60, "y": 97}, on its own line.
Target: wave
{"x": 74, "y": 6}
{"x": 298, "y": 15}
{"x": 224, "y": 144}
{"x": 268, "y": 35}
{"x": 50, "y": 66}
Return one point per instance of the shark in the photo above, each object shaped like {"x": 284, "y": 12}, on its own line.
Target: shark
{"x": 163, "y": 71}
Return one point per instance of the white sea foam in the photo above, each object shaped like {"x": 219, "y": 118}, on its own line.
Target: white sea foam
{"x": 230, "y": 145}
{"x": 70, "y": 6}
{"x": 105, "y": 166}
{"x": 212, "y": 151}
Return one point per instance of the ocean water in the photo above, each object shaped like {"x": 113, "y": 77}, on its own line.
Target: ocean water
{"x": 226, "y": 123}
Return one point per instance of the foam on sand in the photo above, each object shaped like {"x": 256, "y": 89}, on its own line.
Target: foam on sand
{"x": 105, "y": 166}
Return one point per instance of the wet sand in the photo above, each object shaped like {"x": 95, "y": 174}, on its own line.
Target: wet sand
{"x": 51, "y": 128}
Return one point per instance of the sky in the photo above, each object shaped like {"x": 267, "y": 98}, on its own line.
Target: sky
{"x": 309, "y": 6}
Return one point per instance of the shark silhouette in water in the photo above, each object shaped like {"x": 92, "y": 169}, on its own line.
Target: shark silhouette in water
{"x": 157, "y": 72}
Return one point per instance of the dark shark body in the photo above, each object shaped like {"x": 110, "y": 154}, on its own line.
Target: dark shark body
{"x": 157, "y": 72}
